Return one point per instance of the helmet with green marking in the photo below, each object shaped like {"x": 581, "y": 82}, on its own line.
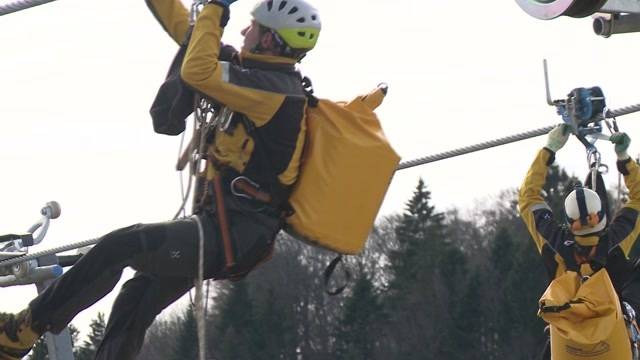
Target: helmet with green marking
{"x": 296, "y": 21}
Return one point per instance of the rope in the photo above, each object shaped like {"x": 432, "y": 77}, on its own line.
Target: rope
{"x": 473, "y": 148}
{"x": 199, "y": 281}
{"x": 20, "y": 5}
{"x": 37, "y": 254}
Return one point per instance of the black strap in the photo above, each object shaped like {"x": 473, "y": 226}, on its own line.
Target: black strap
{"x": 599, "y": 260}
{"x": 27, "y": 239}
{"x": 307, "y": 86}
{"x": 328, "y": 272}
{"x": 566, "y": 251}
{"x": 582, "y": 205}
{"x": 554, "y": 309}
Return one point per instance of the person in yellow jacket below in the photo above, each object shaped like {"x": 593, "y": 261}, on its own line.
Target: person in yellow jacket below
{"x": 255, "y": 154}
{"x": 588, "y": 241}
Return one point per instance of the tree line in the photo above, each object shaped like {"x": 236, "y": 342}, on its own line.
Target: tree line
{"x": 429, "y": 285}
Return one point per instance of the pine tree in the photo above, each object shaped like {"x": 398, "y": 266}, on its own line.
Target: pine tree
{"x": 276, "y": 336}
{"x": 236, "y": 326}
{"x": 420, "y": 235}
{"x": 428, "y": 276}
{"x": 90, "y": 346}
{"x": 187, "y": 339}
{"x": 358, "y": 328}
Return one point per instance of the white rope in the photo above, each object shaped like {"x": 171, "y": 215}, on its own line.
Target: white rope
{"x": 199, "y": 281}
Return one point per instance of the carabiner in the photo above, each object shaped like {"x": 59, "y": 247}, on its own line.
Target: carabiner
{"x": 239, "y": 194}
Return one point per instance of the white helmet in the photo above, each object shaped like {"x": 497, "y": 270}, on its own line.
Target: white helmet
{"x": 584, "y": 211}
{"x": 296, "y": 21}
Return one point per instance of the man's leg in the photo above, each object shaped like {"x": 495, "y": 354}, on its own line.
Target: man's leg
{"x": 140, "y": 300}
{"x": 97, "y": 273}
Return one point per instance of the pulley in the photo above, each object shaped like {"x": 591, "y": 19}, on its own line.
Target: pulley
{"x": 583, "y": 109}
{"x": 551, "y": 9}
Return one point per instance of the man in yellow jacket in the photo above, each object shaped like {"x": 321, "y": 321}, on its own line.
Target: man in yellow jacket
{"x": 587, "y": 241}
{"x": 254, "y": 154}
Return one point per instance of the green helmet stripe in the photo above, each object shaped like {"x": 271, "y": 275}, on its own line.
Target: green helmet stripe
{"x": 300, "y": 38}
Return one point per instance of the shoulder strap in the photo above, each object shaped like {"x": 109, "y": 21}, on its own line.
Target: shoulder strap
{"x": 307, "y": 86}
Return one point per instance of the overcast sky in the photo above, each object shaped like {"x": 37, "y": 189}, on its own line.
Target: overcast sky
{"x": 77, "y": 78}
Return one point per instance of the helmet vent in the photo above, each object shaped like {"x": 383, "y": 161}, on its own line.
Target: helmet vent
{"x": 282, "y": 5}
{"x": 302, "y": 33}
{"x": 300, "y": 20}
{"x": 314, "y": 18}
{"x": 269, "y": 5}
{"x": 293, "y": 10}
{"x": 311, "y": 36}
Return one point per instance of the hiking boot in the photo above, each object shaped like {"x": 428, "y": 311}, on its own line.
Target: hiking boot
{"x": 16, "y": 335}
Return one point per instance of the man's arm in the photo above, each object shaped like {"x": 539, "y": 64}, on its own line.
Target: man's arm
{"x": 236, "y": 87}
{"x": 173, "y": 17}
{"x": 534, "y": 211}
{"x": 625, "y": 227}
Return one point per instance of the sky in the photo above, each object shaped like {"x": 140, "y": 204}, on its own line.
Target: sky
{"x": 77, "y": 78}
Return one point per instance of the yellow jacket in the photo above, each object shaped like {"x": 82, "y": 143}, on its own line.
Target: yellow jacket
{"x": 265, "y": 139}
{"x": 549, "y": 236}
{"x": 584, "y": 314}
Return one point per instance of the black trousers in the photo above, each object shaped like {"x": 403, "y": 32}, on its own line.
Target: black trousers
{"x": 165, "y": 257}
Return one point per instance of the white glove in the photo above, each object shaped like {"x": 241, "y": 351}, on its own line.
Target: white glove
{"x": 558, "y": 137}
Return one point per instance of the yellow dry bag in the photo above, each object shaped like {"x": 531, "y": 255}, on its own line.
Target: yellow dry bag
{"x": 346, "y": 168}
{"x": 585, "y": 318}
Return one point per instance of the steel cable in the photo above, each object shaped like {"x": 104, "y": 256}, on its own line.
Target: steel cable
{"x": 473, "y": 148}
{"x": 623, "y": 111}
{"x": 403, "y": 165}
{"x": 37, "y": 254}
{"x": 20, "y": 5}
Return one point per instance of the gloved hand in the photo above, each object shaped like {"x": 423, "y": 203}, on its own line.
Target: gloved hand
{"x": 558, "y": 137}
{"x": 622, "y": 141}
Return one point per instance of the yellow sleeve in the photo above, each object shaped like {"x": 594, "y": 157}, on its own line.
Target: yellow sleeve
{"x": 625, "y": 227}
{"x": 225, "y": 82}
{"x": 632, "y": 181}
{"x": 530, "y": 199}
{"x": 173, "y": 17}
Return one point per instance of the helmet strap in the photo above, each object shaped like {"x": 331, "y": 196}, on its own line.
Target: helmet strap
{"x": 582, "y": 206}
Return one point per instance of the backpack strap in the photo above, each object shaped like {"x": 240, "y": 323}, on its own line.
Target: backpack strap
{"x": 328, "y": 272}
{"x": 307, "y": 87}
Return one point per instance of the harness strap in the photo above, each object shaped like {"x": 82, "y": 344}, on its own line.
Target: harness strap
{"x": 223, "y": 221}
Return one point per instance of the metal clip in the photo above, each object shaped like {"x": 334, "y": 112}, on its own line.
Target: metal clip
{"x": 223, "y": 120}
{"x": 593, "y": 160}
{"x": 239, "y": 194}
